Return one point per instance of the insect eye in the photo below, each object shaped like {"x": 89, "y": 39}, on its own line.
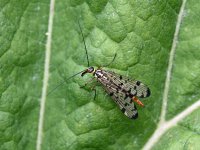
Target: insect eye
{"x": 90, "y": 69}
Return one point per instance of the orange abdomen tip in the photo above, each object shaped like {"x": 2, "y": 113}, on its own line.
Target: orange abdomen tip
{"x": 135, "y": 99}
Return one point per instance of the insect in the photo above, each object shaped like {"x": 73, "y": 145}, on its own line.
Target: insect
{"x": 124, "y": 92}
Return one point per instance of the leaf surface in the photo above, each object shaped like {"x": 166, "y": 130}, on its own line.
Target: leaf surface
{"x": 140, "y": 32}
{"x": 185, "y": 83}
{"x": 23, "y": 25}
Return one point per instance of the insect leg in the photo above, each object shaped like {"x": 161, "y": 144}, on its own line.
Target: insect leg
{"x": 95, "y": 91}
{"x": 89, "y": 81}
{"x": 91, "y": 87}
{"x": 135, "y": 99}
{"x": 111, "y": 61}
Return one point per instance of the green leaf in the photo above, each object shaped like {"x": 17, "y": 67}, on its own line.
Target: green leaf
{"x": 185, "y": 83}
{"x": 23, "y": 25}
{"x": 140, "y": 32}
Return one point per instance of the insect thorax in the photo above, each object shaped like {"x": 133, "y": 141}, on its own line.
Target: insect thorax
{"x": 98, "y": 73}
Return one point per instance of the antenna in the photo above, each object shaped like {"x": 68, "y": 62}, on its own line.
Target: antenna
{"x": 86, "y": 52}
{"x": 61, "y": 83}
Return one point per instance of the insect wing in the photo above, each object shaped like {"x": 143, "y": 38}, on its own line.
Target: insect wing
{"x": 136, "y": 88}
{"x": 125, "y": 103}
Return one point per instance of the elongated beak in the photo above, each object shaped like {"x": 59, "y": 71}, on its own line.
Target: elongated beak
{"x": 86, "y": 71}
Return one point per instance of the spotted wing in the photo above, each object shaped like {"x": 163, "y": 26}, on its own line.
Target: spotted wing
{"x": 125, "y": 104}
{"x": 136, "y": 88}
